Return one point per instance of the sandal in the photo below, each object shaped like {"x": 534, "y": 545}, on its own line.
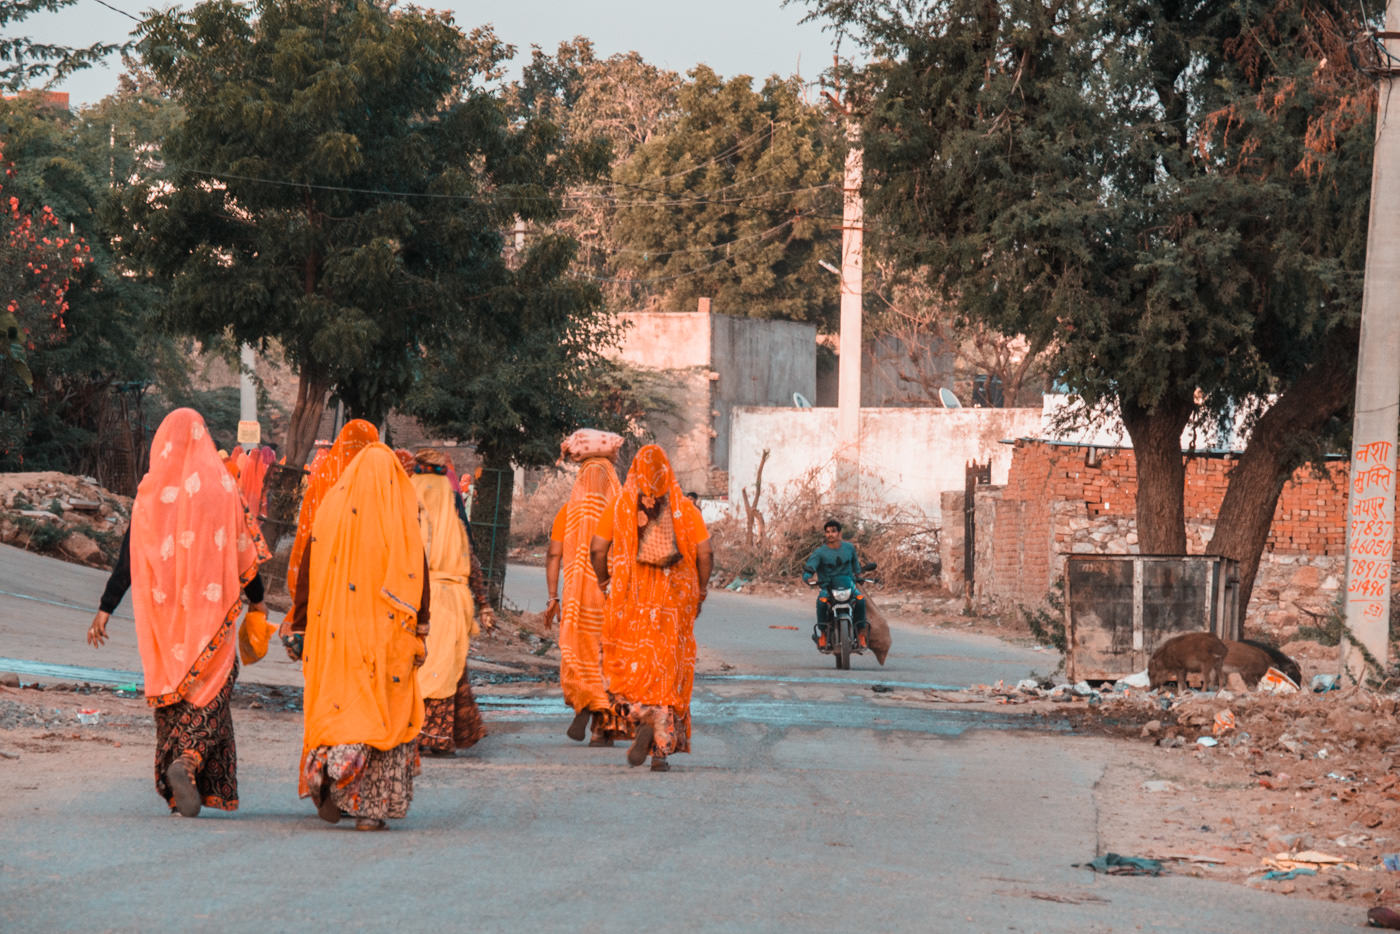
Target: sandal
{"x": 578, "y": 729}
{"x": 370, "y": 823}
{"x": 601, "y": 741}
{"x": 182, "y": 788}
{"x": 326, "y": 809}
{"x": 659, "y": 764}
{"x": 641, "y": 745}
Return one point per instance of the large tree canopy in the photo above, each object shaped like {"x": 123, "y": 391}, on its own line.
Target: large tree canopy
{"x": 338, "y": 184}
{"x": 738, "y": 199}
{"x": 1137, "y": 186}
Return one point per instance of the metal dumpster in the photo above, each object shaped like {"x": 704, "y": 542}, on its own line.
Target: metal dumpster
{"x": 1119, "y": 608}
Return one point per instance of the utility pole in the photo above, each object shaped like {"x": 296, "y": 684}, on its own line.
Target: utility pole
{"x": 849, "y": 345}
{"x": 1371, "y": 493}
{"x": 247, "y": 399}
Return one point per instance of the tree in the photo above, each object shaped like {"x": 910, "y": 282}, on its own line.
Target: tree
{"x": 337, "y": 184}
{"x": 38, "y": 261}
{"x": 26, "y": 61}
{"x": 1067, "y": 171}
{"x": 72, "y": 164}
{"x": 736, "y": 200}
{"x": 519, "y": 376}
{"x": 622, "y": 101}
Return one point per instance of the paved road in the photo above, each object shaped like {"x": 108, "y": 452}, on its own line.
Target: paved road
{"x": 809, "y": 803}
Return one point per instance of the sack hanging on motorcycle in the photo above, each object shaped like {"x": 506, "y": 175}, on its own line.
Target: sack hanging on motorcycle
{"x": 656, "y": 540}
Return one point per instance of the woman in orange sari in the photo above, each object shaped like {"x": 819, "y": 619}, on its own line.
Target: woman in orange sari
{"x": 325, "y": 471}
{"x": 189, "y": 556}
{"x": 361, "y": 606}
{"x": 451, "y": 719}
{"x": 651, "y": 553}
{"x": 582, "y": 606}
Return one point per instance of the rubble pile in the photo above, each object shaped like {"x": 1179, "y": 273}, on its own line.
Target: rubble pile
{"x": 62, "y": 515}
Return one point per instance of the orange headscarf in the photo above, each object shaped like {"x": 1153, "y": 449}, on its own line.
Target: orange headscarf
{"x": 191, "y": 553}
{"x": 325, "y": 471}
{"x": 362, "y": 610}
{"x": 450, "y": 564}
{"x": 252, "y": 471}
{"x": 582, "y": 605}
{"x": 648, "y": 638}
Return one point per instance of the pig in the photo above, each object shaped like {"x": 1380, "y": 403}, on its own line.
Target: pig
{"x": 1280, "y": 661}
{"x": 1198, "y": 652}
{"x": 1248, "y": 661}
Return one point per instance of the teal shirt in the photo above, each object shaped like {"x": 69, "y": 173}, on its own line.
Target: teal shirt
{"x": 827, "y": 563}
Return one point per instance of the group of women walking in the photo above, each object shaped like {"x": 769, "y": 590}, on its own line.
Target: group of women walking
{"x": 386, "y": 597}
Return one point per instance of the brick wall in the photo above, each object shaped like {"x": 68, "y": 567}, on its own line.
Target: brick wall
{"x": 1054, "y": 503}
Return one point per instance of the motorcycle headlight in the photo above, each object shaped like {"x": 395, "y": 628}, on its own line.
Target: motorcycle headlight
{"x": 841, "y": 595}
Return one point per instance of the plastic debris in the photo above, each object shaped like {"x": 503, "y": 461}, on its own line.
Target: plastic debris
{"x": 1321, "y": 684}
{"x": 1137, "y": 680}
{"x": 89, "y": 716}
{"x": 1278, "y": 875}
{"x": 1391, "y": 861}
{"x": 1277, "y": 682}
{"x": 1207, "y": 741}
{"x": 1224, "y": 722}
{"x": 1115, "y": 865}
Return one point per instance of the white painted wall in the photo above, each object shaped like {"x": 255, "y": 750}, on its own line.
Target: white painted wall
{"x": 908, "y": 456}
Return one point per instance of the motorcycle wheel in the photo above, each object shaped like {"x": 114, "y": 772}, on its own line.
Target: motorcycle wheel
{"x": 843, "y": 644}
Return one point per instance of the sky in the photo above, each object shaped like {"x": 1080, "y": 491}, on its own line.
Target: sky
{"x": 753, "y": 37}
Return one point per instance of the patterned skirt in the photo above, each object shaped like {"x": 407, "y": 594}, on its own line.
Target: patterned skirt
{"x": 451, "y": 722}
{"x": 203, "y": 736}
{"x": 364, "y": 781}
{"x": 671, "y": 725}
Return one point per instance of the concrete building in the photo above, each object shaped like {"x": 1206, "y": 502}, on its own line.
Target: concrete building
{"x": 711, "y": 364}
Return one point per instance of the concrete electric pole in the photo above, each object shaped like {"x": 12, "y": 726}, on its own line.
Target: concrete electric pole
{"x": 849, "y": 348}
{"x": 1371, "y": 496}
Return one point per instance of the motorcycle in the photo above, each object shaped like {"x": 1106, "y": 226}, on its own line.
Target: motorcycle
{"x": 845, "y": 630}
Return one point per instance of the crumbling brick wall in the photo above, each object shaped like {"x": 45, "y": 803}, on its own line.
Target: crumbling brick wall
{"x": 1054, "y": 502}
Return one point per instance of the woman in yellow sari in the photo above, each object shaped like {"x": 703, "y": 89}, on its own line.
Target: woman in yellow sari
{"x": 362, "y": 603}
{"x": 451, "y": 719}
{"x": 582, "y": 606}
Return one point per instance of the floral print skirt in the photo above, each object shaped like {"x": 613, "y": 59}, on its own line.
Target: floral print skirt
{"x": 203, "y": 737}
{"x": 671, "y": 725}
{"x": 452, "y": 722}
{"x": 364, "y": 781}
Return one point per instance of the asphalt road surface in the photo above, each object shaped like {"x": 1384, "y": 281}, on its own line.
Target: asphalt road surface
{"x": 810, "y": 802}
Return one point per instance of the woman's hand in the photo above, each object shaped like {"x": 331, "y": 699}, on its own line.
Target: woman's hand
{"x": 488, "y": 618}
{"x": 97, "y": 632}
{"x": 420, "y": 656}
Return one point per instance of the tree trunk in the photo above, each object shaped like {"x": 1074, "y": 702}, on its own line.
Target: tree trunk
{"x": 1278, "y": 446}
{"x": 1161, "y": 474}
{"x": 306, "y": 416}
{"x": 491, "y": 512}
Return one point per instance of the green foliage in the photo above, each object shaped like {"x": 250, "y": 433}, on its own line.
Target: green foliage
{"x": 338, "y": 183}
{"x": 104, "y": 333}
{"x": 736, "y": 200}
{"x": 520, "y": 373}
{"x": 41, "y": 535}
{"x": 1171, "y": 198}
{"x": 1048, "y": 625}
{"x": 24, "y": 60}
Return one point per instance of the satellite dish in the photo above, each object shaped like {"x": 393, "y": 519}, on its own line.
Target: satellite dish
{"x": 800, "y": 401}
{"x": 950, "y": 401}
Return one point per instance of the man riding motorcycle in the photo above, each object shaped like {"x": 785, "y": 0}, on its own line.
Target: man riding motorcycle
{"x": 834, "y": 561}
